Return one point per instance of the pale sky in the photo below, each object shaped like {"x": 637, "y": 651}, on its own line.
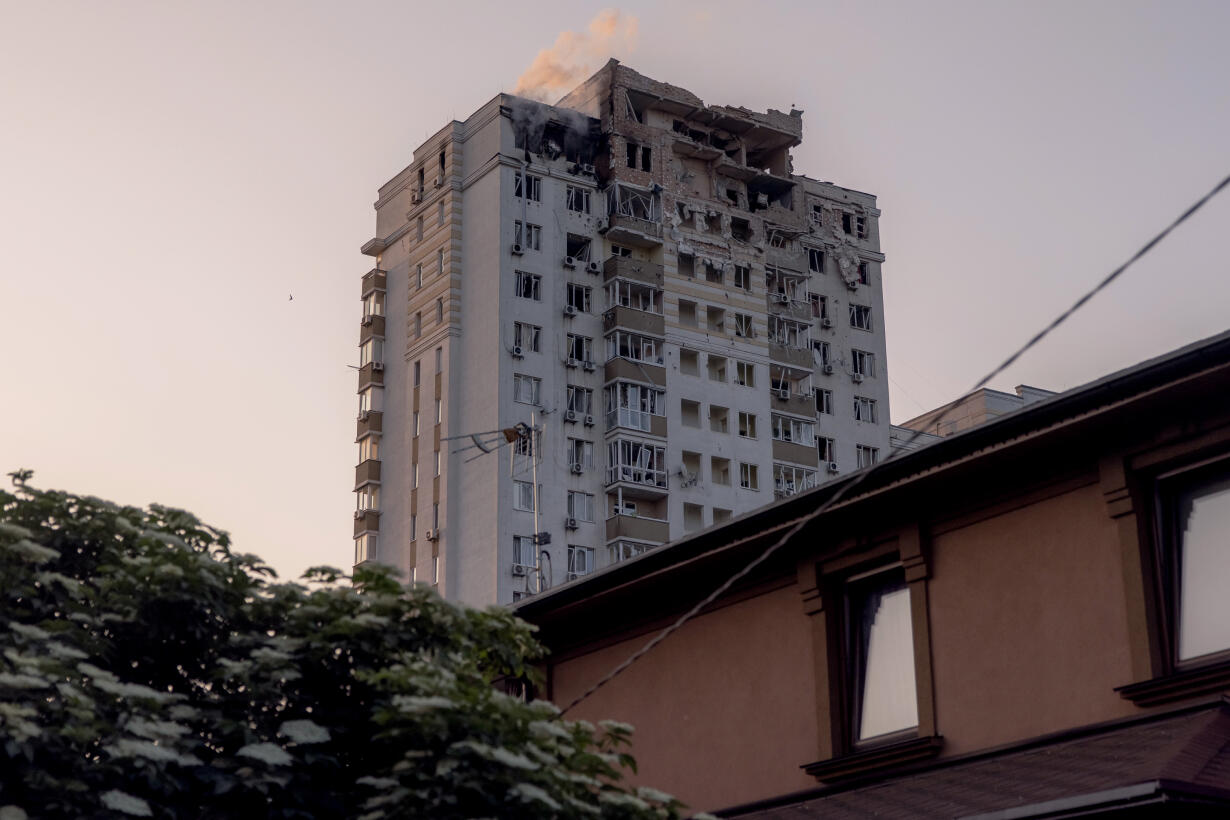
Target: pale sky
{"x": 171, "y": 172}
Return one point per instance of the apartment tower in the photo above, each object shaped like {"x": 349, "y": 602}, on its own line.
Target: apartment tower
{"x": 690, "y": 328}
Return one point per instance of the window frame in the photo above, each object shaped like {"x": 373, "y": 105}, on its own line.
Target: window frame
{"x": 824, "y": 586}
{"x": 1137, "y": 489}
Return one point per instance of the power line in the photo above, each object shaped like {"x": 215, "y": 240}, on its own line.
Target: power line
{"x": 859, "y": 478}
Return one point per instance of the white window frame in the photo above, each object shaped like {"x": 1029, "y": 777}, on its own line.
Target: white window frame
{"x": 534, "y": 283}
{"x": 527, "y": 336}
{"x": 523, "y": 384}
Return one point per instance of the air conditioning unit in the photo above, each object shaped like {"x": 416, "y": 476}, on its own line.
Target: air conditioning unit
{"x": 570, "y": 523}
{"x": 571, "y": 362}
{"x": 586, "y": 168}
{"x": 577, "y": 469}
{"x": 828, "y": 370}
{"x": 832, "y": 466}
{"x": 826, "y": 322}
{"x": 570, "y": 415}
{"x": 589, "y": 366}
{"x": 416, "y": 197}
{"x": 784, "y": 394}
{"x": 363, "y": 416}
{"x": 367, "y": 320}
{"x": 518, "y": 570}
{"x": 570, "y": 262}
{"x": 517, "y": 249}
{"x": 377, "y": 365}
{"x": 858, "y": 377}
{"x": 570, "y": 310}
{"x": 593, "y": 267}
{"x": 438, "y": 181}
{"x": 852, "y": 284}
{"x": 517, "y": 352}
{"x": 359, "y": 513}
{"x": 589, "y": 421}
{"x": 432, "y": 535}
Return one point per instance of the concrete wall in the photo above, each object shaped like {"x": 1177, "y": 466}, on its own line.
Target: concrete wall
{"x": 718, "y": 708}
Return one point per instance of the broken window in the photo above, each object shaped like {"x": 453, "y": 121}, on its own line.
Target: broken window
{"x": 529, "y": 286}
{"x": 847, "y": 223}
{"x": 527, "y": 337}
{"x": 860, "y": 226}
{"x": 714, "y": 273}
{"x": 634, "y": 295}
{"x": 633, "y": 154}
{"x": 749, "y": 475}
{"x": 863, "y": 363}
{"x": 578, "y": 247}
{"x": 741, "y": 229}
{"x": 743, "y": 277}
{"x": 824, "y": 404}
{"x": 864, "y": 276}
{"x": 745, "y": 374}
{"x": 817, "y": 215}
{"x": 732, "y": 194}
{"x": 580, "y": 348}
{"x": 638, "y": 203}
{"x": 788, "y": 333}
{"x": 687, "y": 265}
{"x": 778, "y": 239}
{"x": 534, "y": 188}
{"x": 631, "y": 109}
{"x": 864, "y": 409}
{"x": 826, "y": 448}
{"x": 634, "y": 346}
{"x": 620, "y": 250}
{"x": 526, "y": 389}
{"x": 819, "y": 306}
{"x": 788, "y": 479}
{"x": 747, "y": 425}
{"x": 715, "y": 319}
{"x": 636, "y": 462}
{"x": 743, "y": 326}
{"x": 580, "y": 297}
{"x": 527, "y": 235}
{"x": 823, "y": 349}
{"x": 577, "y": 199}
{"x": 689, "y": 362}
{"x": 815, "y": 260}
{"x": 580, "y": 400}
{"x": 717, "y": 368}
{"x": 580, "y": 452}
{"x": 860, "y": 317}
{"x": 687, "y": 313}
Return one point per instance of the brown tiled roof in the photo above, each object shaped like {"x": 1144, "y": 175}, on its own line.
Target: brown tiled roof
{"x": 1185, "y": 753}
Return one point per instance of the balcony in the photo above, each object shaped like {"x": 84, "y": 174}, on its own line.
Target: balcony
{"x": 640, "y": 321}
{"x": 367, "y": 521}
{"x": 793, "y": 356}
{"x": 797, "y": 404}
{"x": 375, "y": 279}
{"x": 373, "y": 327}
{"x": 370, "y": 376}
{"x": 634, "y": 371}
{"x": 631, "y": 230}
{"x": 798, "y": 309}
{"x": 639, "y": 420}
{"x": 795, "y": 453}
{"x": 638, "y": 528}
{"x": 368, "y": 472}
{"x": 370, "y": 423}
{"x": 637, "y": 482}
{"x": 650, "y": 273}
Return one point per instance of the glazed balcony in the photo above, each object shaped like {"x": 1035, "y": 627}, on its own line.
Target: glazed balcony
{"x": 374, "y": 280}
{"x": 371, "y": 374}
{"x": 370, "y": 423}
{"x": 366, "y": 521}
{"x": 623, "y": 267}
{"x": 628, "y": 318}
{"x": 372, "y": 327}
{"x": 368, "y": 472}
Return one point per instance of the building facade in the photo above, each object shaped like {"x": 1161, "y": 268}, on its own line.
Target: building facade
{"x": 1025, "y": 619}
{"x": 691, "y": 330}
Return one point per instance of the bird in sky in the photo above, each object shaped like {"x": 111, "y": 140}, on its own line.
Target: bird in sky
{"x": 292, "y": 297}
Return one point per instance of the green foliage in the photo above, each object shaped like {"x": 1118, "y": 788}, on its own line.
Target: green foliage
{"x": 148, "y": 670}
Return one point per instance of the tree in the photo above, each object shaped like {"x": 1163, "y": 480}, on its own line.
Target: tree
{"x": 148, "y": 670}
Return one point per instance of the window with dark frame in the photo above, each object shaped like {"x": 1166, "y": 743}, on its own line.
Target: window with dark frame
{"x": 1194, "y": 508}
{"x": 882, "y": 695}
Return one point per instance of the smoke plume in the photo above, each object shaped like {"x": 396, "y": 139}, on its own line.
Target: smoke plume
{"x": 576, "y": 55}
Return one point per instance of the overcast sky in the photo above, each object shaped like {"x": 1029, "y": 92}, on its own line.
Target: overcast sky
{"x": 171, "y": 172}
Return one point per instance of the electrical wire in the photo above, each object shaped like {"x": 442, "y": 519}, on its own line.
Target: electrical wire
{"x": 862, "y": 476}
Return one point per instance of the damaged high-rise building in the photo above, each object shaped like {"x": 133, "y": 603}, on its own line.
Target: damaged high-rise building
{"x": 692, "y": 328}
